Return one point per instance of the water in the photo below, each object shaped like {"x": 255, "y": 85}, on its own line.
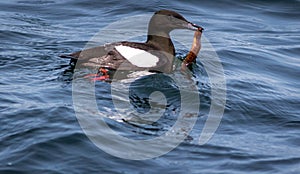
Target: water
{"x": 257, "y": 43}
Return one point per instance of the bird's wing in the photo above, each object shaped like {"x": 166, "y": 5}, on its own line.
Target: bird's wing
{"x": 108, "y": 57}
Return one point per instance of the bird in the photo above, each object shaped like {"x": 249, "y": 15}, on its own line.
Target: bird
{"x": 156, "y": 54}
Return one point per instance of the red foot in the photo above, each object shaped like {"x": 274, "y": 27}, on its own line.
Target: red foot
{"x": 100, "y": 78}
{"x": 103, "y": 71}
{"x": 102, "y": 75}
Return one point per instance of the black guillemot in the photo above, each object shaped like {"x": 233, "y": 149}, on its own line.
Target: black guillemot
{"x": 156, "y": 54}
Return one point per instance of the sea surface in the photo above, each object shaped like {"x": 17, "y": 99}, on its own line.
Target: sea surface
{"x": 258, "y": 46}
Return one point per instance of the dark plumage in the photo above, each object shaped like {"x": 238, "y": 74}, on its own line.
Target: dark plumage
{"x": 158, "y": 44}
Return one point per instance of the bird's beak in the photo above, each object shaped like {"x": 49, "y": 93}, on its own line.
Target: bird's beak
{"x": 194, "y": 27}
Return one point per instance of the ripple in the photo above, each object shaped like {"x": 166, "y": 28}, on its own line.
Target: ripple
{"x": 259, "y": 53}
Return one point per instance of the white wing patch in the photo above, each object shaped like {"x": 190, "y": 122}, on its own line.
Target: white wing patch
{"x": 137, "y": 57}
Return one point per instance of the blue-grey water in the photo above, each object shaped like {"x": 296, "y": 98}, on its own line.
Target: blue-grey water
{"x": 256, "y": 41}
